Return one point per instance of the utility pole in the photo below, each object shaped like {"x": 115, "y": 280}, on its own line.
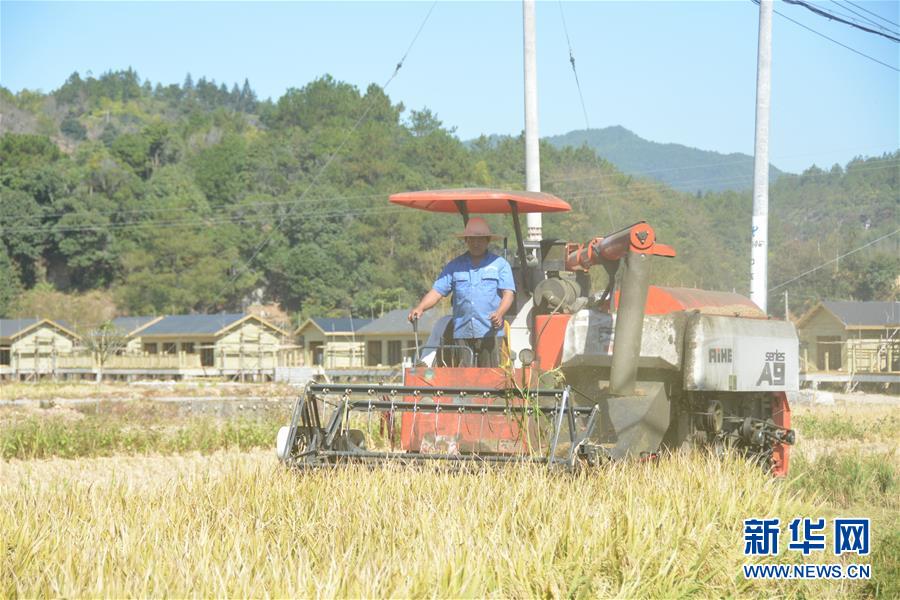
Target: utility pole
{"x": 759, "y": 232}
{"x": 532, "y": 141}
{"x": 787, "y": 307}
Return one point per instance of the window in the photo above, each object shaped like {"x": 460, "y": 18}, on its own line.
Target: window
{"x": 150, "y": 348}
{"x": 373, "y": 353}
{"x": 207, "y": 357}
{"x": 188, "y": 348}
{"x": 4, "y": 356}
{"x": 169, "y": 348}
{"x": 317, "y": 353}
{"x": 831, "y": 346}
{"x": 394, "y": 352}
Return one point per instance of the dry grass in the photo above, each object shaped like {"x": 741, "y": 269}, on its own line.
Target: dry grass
{"x": 60, "y": 391}
{"x": 238, "y": 524}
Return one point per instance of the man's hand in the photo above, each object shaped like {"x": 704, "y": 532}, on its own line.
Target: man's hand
{"x": 428, "y": 300}
{"x": 506, "y": 300}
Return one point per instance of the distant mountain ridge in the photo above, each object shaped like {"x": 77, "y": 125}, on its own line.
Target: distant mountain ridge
{"x": 681, "y": 167}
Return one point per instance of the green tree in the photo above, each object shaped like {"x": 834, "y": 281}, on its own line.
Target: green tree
{"x": 11, "y": 287}
{"x": 220, "y": 171}
{"x": 22, "y": 232}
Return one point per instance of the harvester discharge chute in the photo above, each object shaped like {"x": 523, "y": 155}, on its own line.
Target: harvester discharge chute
{"x": 590, "y": 377}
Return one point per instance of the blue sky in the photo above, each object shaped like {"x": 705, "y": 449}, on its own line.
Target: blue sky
{"x": 682, "y": 72}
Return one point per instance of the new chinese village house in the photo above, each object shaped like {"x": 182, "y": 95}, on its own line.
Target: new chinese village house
{"x": 851, "y": 337}
{"x": 390, "y": 338}
{"x": 332, "y": 343}
{"x": 31, "y": 348}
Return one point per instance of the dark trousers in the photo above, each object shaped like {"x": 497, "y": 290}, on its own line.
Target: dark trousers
{"x": 486, "y": 351}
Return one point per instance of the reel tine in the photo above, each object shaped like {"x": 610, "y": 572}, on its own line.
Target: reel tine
{"x": 561, "y": 407}
{"x": 481, "y": 430}
{"x": 368, "y": 434}
{"x": 391, "y": 424}
{"x": 412, "y": 428}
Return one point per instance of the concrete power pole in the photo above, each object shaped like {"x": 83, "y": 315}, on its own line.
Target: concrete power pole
{"x": 532, "y": 141}
{"x": 759, "y": 232}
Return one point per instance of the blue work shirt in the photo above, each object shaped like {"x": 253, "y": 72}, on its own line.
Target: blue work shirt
{"x": 476, "y": 292}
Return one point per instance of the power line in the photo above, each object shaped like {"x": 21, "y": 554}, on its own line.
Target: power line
{"x": 854, "y": 50}
{"x": 574, "y": 70}
{"x": 835, "y": 259}
{"x": 834, "y": 17}
{"x": 874, "y": 14}
{"x": 189, "y": 209}
{"x": 325, "y": 166}
{"x": 699, "y": 180}
{"x": 274, "y": 204}
{"x": 197, "y": 222}
{"x": 587, "y": 123}
{"x": 635, "y": 189}
{"x": 863, "y": 17}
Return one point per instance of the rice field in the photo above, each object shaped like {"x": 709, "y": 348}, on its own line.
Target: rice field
{"x": 223, "y": 519}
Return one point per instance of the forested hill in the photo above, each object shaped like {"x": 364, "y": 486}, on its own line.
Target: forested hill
{"x": 680, "y": 167}
{"x": 134, "y": 198}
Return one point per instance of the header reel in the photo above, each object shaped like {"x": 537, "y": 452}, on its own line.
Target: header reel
{"x": 338, "y": 424}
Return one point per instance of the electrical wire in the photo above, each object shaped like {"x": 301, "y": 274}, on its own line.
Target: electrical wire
{"x": 635, "y": 189}
{"x": 587, "y": 122}
{"x": 834, "y": 17}
{"x": 835, "y": 259}
{"x": 872, "y": 13}
{"x": 854, "y": 50}
{"x": 200, "y": 221}
{"x": 347, "y": 137}
{"x": 274, "y": 204}
{"x": 863, "y": 17}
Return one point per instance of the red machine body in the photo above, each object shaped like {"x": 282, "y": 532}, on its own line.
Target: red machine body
{"x": 452, "y": 433}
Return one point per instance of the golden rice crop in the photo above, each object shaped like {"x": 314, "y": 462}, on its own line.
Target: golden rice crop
{"x": 240, "y": 525}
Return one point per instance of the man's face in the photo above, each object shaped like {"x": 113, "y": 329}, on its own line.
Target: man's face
{"x": 477, "y": 245}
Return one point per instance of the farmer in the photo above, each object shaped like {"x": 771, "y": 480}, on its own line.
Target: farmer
{"x": 483, "y": 290}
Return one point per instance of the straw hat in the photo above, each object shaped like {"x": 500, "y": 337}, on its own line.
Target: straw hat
{"x": 478, "y": 227}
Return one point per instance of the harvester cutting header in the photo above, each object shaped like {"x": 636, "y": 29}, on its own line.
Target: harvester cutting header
{"x": 586, "y": 376}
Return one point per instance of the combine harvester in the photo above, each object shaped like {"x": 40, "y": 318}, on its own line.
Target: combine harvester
{"x": 628, "y": 372}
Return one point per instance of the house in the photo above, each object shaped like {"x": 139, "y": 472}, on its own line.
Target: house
{"x": 851, "y": 337}
{"x": 129, "y": 328}
{"x": 223, "y": 344}
{"x": 331, "y": 343}
{"x": 32, "y": 347}
{"x": 390, "y": 339}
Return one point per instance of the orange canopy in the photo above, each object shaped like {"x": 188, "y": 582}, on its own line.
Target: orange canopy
{"x": 480, "y": 200}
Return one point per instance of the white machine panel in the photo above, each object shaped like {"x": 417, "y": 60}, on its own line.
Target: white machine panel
{"x": 741, "y": 355}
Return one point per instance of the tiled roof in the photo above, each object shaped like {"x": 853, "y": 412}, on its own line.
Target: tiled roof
{"x": 13, "y": 327}
{"x": 866, "y": 314}
{"x": 192, "y": 324}
{"x": 10, "y": 327}
{"x": 129, "y": 324}
{"x": 340, "y": 325}
{"x": 395, "y": 322}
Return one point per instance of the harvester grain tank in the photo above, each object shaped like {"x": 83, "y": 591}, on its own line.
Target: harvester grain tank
{"x": 590, "y": 376}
